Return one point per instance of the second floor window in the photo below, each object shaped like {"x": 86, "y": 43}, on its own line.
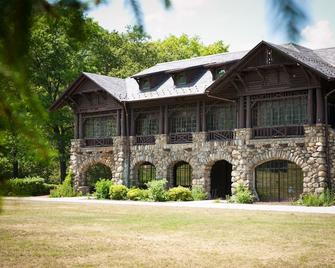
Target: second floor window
{"x": 218, "y": 73}
{"x": 147, "y": 124}
{"x": 221, "y": 117}
{"x": 145, "y": 84}
{"x": 100, "y": 127}
{"x": 280, "y": 112}
{"x": 182, "y": 120}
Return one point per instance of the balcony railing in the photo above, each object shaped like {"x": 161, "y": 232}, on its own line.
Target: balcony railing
{"x": 145, "y": 140}
{"x": 223, "y": 135}
{"x": 278, "y": 132}
{"x": 98, "y": 142}
{"x": 178, "y": 138}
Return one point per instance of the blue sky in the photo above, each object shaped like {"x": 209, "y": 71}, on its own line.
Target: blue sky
{"x": 240, "y": 23}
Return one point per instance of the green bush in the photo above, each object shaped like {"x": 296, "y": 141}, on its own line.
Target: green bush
{"x": 29, "y": 186}
{"x": 198, "y": 193}
{"x": 65, "y": 189}
{"x": 138, "y": 194}
{"x": 324, "y": 199}
{"x": 118, "y": 192}
{"x": 156, "y": 189}
{"x": 242, "y": 195}
{"x": 180, "y": 194}
{"x": 102, "y": 187}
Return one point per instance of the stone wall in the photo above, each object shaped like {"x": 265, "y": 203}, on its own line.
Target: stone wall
{"x": 244, "y": 153}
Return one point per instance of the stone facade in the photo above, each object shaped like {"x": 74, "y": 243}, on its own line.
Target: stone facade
{"x": 243, "y": 153}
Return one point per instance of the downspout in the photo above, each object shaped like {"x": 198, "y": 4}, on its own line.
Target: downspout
{"x": 127, "y": 143}
{"x": 327, "y": 140}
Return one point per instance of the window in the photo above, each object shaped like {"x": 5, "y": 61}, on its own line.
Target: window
{"x": 182, "y": 120}
{"x": 147, "y": 124}
{"x": 145, "y": 84}
{"x": 180, "y": 79}
{"x": 183, "y": 174}
{"x": 280, "y": 112}
{"x": 221, "y": 117}
{"x": 279, "y": 180}
{"x": 218, "y": 73}
{"x": 146, "y": 173}
{"x": 100, "y": 127}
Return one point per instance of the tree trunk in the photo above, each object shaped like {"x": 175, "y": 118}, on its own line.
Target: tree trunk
{"x": 62, "y": 168}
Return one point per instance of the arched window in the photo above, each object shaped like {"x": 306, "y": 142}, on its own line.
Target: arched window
{"x": 146, "y": 173}
{"x": 278, "y": 180}
{"x": 96, "y": 172}
{"x": 182, "y": 174}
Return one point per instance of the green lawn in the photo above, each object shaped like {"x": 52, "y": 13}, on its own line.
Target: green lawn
{"x": 45, "y": 234}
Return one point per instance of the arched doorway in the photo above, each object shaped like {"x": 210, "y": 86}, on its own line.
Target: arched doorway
{"x": 146, "y": 172}
{"x": 182, "y": 174}
{"x": 96, "y": 172}
{"x": 221, "y": 179}
{"x": 278, "y": 180}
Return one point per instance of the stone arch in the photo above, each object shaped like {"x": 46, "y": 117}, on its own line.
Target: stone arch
{"x": 80, "y": 177}
{"x": 135, "y": 169}
{"x": 211, "y": 160}
{"x": 171, "y": 164}
{"x": 268, "y": 156}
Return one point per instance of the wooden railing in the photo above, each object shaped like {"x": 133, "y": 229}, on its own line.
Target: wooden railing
{"x": 222, "y": 135}
{"x": 145, "y": 140}
{"x": 177, "y": 138}
{"x": 277, "y": 132}
{"x": 98, "y": 142}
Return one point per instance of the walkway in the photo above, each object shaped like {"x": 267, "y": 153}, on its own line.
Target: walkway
{"x": 192, "y": 204}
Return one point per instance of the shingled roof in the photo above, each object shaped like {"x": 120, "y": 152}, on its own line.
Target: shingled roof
{"x": 321, "y": 61}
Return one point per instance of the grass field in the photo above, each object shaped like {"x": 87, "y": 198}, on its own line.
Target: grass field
{"x": 46, "y": 234}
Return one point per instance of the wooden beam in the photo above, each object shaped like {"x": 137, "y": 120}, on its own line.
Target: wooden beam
{"x": 161, "y": 119}
{"x": 242, "y": 81}
{"x": 320, "y": 117}
{"x": 260, "y": 74}
{"x": 198, "y": 116}
{"x": 235, "y": 86}
{"x": 203, "y": 116}
{"x": 81, "y": 126}
{"x": 248, "y": 119}
{"x": 310, "y": 107}
{"x": 308, "y": 79}
{"x": 118, "y": 127}
{"x": 132, "y": 123}
{"x": 166, "y": 120}
{"x": 123, "y": 123}
{"x": 241, "y": 113}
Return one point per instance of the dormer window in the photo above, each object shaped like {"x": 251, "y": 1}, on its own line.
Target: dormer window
{"x": 145, "y": 84}
{"x": 218, "y": 73}
{"x": 180, "y": 79}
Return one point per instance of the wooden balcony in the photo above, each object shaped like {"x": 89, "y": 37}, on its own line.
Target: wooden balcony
{"x": 278, "y": 132}
{"x": 98, "y": 142}
{"x": 179, "y": 138}
{"x": 223, "y": 135}
{"x": 145, "y": 140}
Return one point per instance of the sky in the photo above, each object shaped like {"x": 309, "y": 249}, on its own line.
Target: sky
{"x": 240, "y": 23}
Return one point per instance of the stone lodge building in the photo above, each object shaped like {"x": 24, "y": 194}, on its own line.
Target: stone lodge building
{"x": 263, "y": 117}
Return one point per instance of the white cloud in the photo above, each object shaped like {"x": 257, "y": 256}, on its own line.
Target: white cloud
{"x": 319, "y": 35}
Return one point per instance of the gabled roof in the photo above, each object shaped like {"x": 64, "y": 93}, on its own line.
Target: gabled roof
{"x": 320, "y": 61}
{"x": 114, "y": 86}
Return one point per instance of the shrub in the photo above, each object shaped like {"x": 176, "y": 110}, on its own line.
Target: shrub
{"x": 28, "y": 186}
{"x": 156, "y": 189}
{"x": 242, "y": 195}
{"x": 180, "y": 194}
{"x": 198, "y": 193}
{"x": 138, "y": 194}
{"x": 65, "y": 189}
{"x": 102, "y": 187}
{"x": 317, "y": 200}
{"x": 118, "y": 192}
